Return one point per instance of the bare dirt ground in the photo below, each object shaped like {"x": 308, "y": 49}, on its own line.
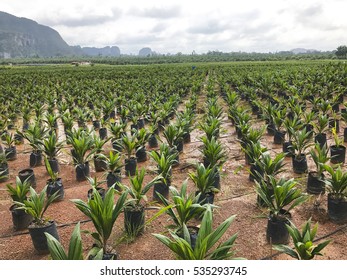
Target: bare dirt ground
{"x": 237, "y": 196}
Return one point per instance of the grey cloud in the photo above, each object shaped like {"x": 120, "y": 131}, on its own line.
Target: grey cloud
{"x": 157, "y": 12}
{"x": 312, "y": 11}
{"x": 82, "y": 20}
{"x": 211, "y": 26}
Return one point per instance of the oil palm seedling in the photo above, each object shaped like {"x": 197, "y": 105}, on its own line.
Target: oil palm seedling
{"x": 164, "y": 159}
{"x": 103, "y": 213}
{"x": 185, "y": 208}
{"x": 114, "y": 169}
{"x": 20, "y": 218}
{"x": 208, "y": 244}
{"x": 141, "y": 140}
{"x": 117, "y": 130}
{"x": 304, "y": 247}
{"x": 36, "y": 205}
{"x": 320, "y": 127}
{"x": 129, "y": 147}
{"x": 315, "y": 180}
{"x": 280, "y": 194}
{"x": 51, "y": 147}
{"x": 54, "y": 183}
{"x": 134, "y": 211}
{"x": 204, "y": 179}
{"x": 336, "y": 186}
{"x": 98, "y": 149}
{"x": 338, "y": 150}
{"x": 10, "y": 149}
{"x": 301, "y": 141}
{"x": 82, "y": 152}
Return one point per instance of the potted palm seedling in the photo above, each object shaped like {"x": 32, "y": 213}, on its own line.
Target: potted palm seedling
{"x": 98, "y": 148}
{"x": 54, "y": 184}
{"x": 164, "y": 160}
{"x": 301, "y": 141}
{"x": 51, "y": 147}
{"x": 338, "y": 150}
{"x": 114, "y": 168}
{"x": 204, "y": 180}
{"x": 95, "y": 185}
{"x": 134, "y": 211}
{"x": 21, "y": 219}
{"x": 103, "y": 213}
{"x": 141, "y": 139}
{"x": 36, "y": 205}
{"x": 281, "y": 194}
{"x": 278, "y": 118}
{"x": 214, "y": 156}
{"x": 117, "y": 130}
{"x": 320, "y": 127}
{"x": 304, "y": 247}
{"x": 129, "y": 147}
{"x": 185, "y": 208}
{"x": 10, "y": 150}
{"x": 206, "y": 242}
{"x": 254, "y": 152}
{"x": 315, "y": 180}
{"x": 291, "y": 125}
{"x": 81, "y": 152}
{"x": 336, "y": 186}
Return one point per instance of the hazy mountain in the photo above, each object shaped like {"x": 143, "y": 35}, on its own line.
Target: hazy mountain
{"x": 113, "y": 51}
{"x": 22, "y": 37}
{"x": 145, "y": 52}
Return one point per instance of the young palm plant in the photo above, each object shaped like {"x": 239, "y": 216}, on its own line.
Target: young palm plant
{"x": 36, "y": 205}
{"x": 282, "y": 193}
{"x": 206, "y": 246}
{"x": 304, "y": 248}
{"x": 134, "y": 212}
{"x": 103, "y": 213}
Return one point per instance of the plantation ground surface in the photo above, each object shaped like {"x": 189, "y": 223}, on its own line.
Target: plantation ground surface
{"x": 236, "y": 197}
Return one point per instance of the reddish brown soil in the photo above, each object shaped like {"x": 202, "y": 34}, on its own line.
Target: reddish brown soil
{"x": 237, "y": 196}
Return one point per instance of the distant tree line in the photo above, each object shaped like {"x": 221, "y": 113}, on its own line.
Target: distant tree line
{"x": 211, "y": 56}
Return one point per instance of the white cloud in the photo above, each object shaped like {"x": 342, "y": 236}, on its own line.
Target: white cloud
{"x": 183, "y": 26}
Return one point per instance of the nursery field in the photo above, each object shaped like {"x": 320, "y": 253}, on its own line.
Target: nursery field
{"x": 165, "y": 142}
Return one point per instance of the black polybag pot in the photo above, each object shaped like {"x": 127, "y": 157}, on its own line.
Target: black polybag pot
{"x": 299, "y": 164}
{"x": 113, "y": 179}
{"x": 103, "y": 133}
{"x": 315, "y": 184}
{"x": 161, "y": 188}
{"x": 11, "y": 153}
{"x": 38, "y": 236}
{"x": 141, "y": 154}
{"x": 20, "y": 219}
{"x": 55, "y": 187}
{"x": 82, "y": 172}
{"x": 337, "y": 209}
{"x": 276, "y": 231}
{"x": 54, "y": 165}
{"x": 287, "y": 148}
{"x": 279, "y": 137}
{"x": 99, "y": 164}
{"x": 27, "y": 175}
{"x": 130, "y": 166}
{"x": 321, "y": 139}
{"x": 134, "y": 220}
{"x": 35, "y": 159}
{"x": 337, "y": 154}
{"x": 205, "y": 198}
{"x": 153, "y": 141}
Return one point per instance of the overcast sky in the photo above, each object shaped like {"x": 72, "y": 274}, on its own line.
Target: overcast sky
{"x": 170, "y": 26}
